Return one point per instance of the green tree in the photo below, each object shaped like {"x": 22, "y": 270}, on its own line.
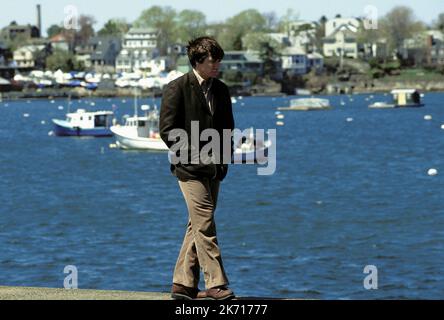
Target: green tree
{"x": 86, "y": 30}
{"x": 60, "y": 60}
{"x": 255, "y": 41}
{"x": 190, "y": 24}
{"x": 238, "y": 26}
{"x": 54, "y": 30}
{"x": 439, "y": 23}
{"x": 268, "y": 55}
{"x": 114, "y": 27}
{"x": 286, "y": 20}
{"x": 163, "y": 19}
{"x": 398, "y": 25}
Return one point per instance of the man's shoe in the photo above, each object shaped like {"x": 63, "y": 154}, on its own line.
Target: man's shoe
{"x": 180, "y": 292}
{"x": 218, "y": 293}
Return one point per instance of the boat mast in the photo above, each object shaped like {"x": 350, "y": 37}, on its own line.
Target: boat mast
{"x": 135, "y": 102}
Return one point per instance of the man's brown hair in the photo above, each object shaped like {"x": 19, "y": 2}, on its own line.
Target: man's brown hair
{"x": 200, "y": 48}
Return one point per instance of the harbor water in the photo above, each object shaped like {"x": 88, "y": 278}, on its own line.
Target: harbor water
{"x": 351, "y": 189}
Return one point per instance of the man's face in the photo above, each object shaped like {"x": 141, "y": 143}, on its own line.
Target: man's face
{"x": 209, "y": 68}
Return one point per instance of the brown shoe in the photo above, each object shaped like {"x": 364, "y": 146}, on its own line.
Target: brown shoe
{"x": 180, "y": 292}
{"x": 218, "y": 293}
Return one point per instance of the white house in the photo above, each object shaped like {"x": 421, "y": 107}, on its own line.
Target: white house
{"x": 25, "y": 57}
{"x": 341, "y": 38}
{"x": 138, "y": 47}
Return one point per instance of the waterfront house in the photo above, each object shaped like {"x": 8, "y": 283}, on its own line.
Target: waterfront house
{"x": 138, "y": 47}
{"x": 341, "y": 37}
{"x": 59, "y": 42}
{"x": 14, "y": 30}
{"x": 242, "y": 61}
{"x": 106, "y": 49}
{"x": 294, "y": 61}
{"x": 27, "y": 56}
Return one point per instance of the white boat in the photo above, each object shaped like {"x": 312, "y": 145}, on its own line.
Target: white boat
{"x": 250, "y": 149}
{"x": 140, "y": 133}
{"x": 307, "y": 104}
{"x": 402, "y": 98}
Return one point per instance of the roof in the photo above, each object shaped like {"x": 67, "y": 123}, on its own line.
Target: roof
{"x": 293, "y": 51}
{"x": 142, "y": 30}
{"x": 396, "y": 91}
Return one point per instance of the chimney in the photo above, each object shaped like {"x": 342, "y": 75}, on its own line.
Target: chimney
{"x": 39, "y": 20}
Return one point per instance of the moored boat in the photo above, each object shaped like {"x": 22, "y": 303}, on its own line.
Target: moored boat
{"x": 83, "y": 123}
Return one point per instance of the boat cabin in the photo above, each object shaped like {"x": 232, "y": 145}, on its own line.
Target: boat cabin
{"x": 90, "y": 120}
{"x": 406, "y": 98}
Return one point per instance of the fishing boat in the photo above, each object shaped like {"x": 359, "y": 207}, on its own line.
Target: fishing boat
{"x": 83, "y": 123}
{"x": 140, "y": 132}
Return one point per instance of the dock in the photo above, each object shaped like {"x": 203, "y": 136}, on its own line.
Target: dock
{"x": 32, "y": 293}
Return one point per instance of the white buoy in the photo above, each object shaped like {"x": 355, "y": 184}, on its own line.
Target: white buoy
{"x": 280, "y": 116}
{"x": 60, "y": 107}
{"x": 280, "y": 123}
{"x": 277, "y": 112}
{"x": 432, "y": 172}
{"x": 50, "y": 133}
{"x": 349, "y": 119}
{"x": 92, "y": 104}
{"x": 112, "y": 145}
{"x": 52, "y": 101}
{"x": 43, "y": 122}
{"x": 26, "y": 115}
{"x": 442, "y": 126}
{"x": 428, "y": 117}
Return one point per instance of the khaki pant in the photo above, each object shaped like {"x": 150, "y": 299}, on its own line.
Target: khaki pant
{"x": 200, "y": 249}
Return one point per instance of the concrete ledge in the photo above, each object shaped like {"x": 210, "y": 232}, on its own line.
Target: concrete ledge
{"x": 29, "y": 293}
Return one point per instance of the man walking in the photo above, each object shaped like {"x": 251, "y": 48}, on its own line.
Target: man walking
{"x": 199, "y": 97}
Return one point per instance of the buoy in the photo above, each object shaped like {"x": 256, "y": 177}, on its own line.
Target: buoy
{"x": 428, "y": 117}
{"x": 280, "y": 123}
{"x": 60, "y": 107}
{"x": 50, "y": 133}
{"x": 349, "y": 119}
{"x": 442, "y": 126}
{"x": 43, "y": 122}
{"x": 26, "y": 115}
{"x": 277, "y": 112}
{"x": 432, "y": 172}
{"x": 112, "y": 146}
{"x": 280, "y": 116}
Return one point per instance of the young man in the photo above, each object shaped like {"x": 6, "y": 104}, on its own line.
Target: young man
{"x": 200, "y": 98}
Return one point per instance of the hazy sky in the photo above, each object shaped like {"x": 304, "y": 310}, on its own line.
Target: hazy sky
{"x": 23, "y": 11}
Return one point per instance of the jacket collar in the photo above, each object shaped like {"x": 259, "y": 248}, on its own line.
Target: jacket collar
{"x": 198, "y": 91}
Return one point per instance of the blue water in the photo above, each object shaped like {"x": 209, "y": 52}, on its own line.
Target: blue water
{"x": 344, "y": 195}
